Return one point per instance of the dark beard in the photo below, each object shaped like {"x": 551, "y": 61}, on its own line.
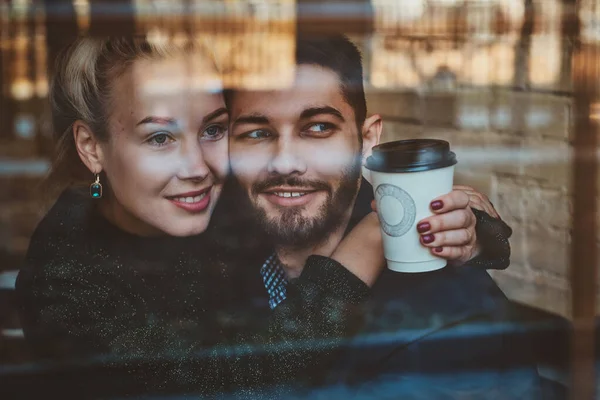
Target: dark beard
{"x": 291, "y": 228}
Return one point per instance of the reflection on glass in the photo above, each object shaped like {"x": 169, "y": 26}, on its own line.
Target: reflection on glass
{"x": 238, "y": 32}
{"x": 589, "y": 14}
{"x": 82, "y": 9}
{"x": 443, "y": 17}
{"x": 545, "y": 59}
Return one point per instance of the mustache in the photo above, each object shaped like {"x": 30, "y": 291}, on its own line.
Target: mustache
{"x": 282, "y": 180}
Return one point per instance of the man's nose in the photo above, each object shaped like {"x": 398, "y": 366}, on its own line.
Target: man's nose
{"x": 193, "y": 164}
{"x": 287, "y": 160}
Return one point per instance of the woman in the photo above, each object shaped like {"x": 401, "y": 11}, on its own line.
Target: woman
{"x": 123, "y": 267}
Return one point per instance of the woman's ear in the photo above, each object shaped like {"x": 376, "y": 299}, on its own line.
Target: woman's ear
{"x": 87, "y": 146}
{"x": 371, "y": 134}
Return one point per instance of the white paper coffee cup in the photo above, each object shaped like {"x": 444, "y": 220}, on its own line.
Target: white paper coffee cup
{"x": 406, "y": 176}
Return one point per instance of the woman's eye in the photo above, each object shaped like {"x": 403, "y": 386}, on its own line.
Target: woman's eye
{"x": 214, "y": 132}
{"x": 160, "y": 139}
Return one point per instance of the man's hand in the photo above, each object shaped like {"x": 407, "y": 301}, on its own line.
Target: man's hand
{"x": 450, "y": 233}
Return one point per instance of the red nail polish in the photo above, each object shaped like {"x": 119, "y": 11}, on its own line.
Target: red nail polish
{"x": 428, "y": 238}
{"x": 423, "y": 227}
{"x": 437, "y": 205}
{"x": 438, "y": 249}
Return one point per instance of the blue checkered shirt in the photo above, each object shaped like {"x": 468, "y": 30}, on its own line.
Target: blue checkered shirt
{"x": 274, "y": 279}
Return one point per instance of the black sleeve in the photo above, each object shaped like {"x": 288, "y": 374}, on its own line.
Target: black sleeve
{"x": 492, "y": 235}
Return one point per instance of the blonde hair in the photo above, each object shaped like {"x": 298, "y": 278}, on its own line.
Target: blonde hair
{"x": 80, "y": 90}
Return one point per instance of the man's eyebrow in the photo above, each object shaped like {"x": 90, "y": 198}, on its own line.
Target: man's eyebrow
{"x": 314, "y": 111}
{"x": 213, "y": 115}
{"x": 254, "y": 118}
{"x": 157, "y": 120}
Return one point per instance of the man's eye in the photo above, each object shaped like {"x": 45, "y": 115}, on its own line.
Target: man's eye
{"x": 214, "y": 132}
{"x": 257, "y": 134}
{"x": 160, "y": 139}
{"x": 321, "y": 127}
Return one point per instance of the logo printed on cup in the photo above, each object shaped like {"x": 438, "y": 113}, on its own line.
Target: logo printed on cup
{"x": 408, "y": 206}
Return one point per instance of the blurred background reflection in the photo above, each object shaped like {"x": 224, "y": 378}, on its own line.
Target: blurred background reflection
{"x": 493, "y": 77}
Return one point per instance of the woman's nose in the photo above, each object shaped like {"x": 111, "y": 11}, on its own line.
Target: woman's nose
{"x": 193, "y": 163}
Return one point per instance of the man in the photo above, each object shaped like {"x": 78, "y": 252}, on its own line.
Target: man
{"x": 297, "y": 155}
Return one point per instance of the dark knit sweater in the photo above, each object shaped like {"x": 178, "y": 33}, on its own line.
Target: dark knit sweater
{"x": 89, "y": 288}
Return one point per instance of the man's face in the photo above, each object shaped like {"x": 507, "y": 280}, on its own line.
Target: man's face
{"x": 297, "y": 154}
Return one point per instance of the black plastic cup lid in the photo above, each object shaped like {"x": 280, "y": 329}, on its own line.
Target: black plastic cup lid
{"x": 412, "y": 155}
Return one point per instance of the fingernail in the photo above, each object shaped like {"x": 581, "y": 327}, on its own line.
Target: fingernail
{"x": 438, "y": 249}
{"x": 428, "y": 238}
{"x": 437, "y": 205}
{"x": 423, "y": 227}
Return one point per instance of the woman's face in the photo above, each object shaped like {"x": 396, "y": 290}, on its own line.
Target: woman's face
{"x": 167, "y": 153}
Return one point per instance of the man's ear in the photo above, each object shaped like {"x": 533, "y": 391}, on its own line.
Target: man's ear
{"x": 371, "y": 134}
{"x": 88, "y": 147}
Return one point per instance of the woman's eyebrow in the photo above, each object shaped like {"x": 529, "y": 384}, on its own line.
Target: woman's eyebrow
{"x": 171, "y": 121}
{"x": 215, "y": 114}
{"x": 157, "y": 120}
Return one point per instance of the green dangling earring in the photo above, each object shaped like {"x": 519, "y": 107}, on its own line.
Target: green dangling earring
{"x": 96, "y": 188}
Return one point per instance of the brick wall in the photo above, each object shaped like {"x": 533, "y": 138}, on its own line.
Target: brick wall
{"x": 514, "y": 146}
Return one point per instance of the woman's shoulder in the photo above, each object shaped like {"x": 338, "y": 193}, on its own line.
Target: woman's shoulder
{"x": 65, "y": 221}
{"x": 62, "y": 233}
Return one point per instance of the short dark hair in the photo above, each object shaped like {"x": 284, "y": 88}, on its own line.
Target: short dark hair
{"x": 338, "y": 54}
